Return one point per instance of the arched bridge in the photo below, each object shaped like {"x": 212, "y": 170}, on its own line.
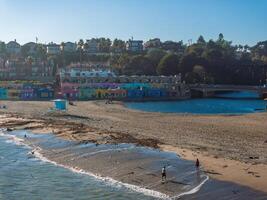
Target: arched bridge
{"x": 207, "y": 89}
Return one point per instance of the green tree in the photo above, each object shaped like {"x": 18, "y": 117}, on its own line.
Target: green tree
{"x": 155, "y": 55}
{"x": 41, "y": 52}
{"x": 169, "y": 65}
{"x": 201, "y": 40}
{"x": 139, "y": 65}
{"x": 118, "y": 46}
{"x": 2, "y": 47}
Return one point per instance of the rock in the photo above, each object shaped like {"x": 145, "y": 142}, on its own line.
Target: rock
{"x": 253, "y": 157}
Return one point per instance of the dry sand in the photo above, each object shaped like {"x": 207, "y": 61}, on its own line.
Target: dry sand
{"x": 231, "y": 148}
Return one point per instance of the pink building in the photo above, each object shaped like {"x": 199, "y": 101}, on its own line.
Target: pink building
{"x": 69, "y": 90}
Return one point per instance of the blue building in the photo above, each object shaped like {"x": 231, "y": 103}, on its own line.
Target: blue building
{"x": 3, "y": 93}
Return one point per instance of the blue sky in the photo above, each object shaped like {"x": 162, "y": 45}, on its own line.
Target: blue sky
{"x": 242, "y": 21}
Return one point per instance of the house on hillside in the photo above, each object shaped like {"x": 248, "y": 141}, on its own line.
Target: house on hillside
{"x": 31, "y": 47}
{"x": 91, "y": 46}
{"x": 135, "y": 46}
{"x": 53, "y": 49}
{"x": 68, "y": 47}
{"x": 13, "y": 47}
{"x": 153, "y": 43}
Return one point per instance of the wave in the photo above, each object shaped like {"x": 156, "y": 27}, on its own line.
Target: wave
{"x": 193, "y": 190}
{"x": 108, "y": 180}
{"x": 13, "y": 139}
{"x": 99, "y": 152}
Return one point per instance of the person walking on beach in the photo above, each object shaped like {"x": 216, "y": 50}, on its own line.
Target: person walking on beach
{"x": 163, "y": 174}
{"x": 197, "y": 163}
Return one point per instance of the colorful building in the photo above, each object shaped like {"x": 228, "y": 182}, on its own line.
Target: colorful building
{"x": 69, "y": 90}
{"x": 45, "y": 93}
{"x": 27, "y": 94}
{"x": 86, "y": 93}
{"x": 13, "y": 94}
{"x": 3, "y": 93}
{"x": 101, "y": 93}
{"x": 135, "y": 93}
{"x": 117, "y": 93}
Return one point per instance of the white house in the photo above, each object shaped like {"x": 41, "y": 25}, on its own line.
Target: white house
{"x": 85, "y": 73}
{"x": 68, "y": 47}
{"x": 91, "y": 46}
{"x": 53, "y": 49}
{"x": 134, "y": 45}
{"x": 13, "y": 47}
{"x": 153, "y": 43}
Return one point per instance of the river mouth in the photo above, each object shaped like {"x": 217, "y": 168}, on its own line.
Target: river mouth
{"x": 133, "y": 168}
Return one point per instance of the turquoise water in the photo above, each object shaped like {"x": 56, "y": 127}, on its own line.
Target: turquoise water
{"x": 228, "y": 103}
{"x": 27, "y": 178}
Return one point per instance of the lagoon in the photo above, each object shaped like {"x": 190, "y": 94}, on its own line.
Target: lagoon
{"x": 223, "y": 103}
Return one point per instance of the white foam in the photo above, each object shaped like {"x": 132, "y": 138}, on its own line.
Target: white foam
{"x": 13, "y": 139}
{"x": 100, "y": 151}
{"x": 193, "y": 190}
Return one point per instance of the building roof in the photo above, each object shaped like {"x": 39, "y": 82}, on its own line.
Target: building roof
{"x": 51, "y": 44}
{"x": 13, "y": 43}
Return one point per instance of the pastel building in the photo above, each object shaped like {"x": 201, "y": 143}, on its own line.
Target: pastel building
{"x": 86, "y": 93}
{"x": 117, "y": 93}
{"x": 69, "y": 90}
{"x": 14, "y": 94}
{"x": 101, "y": 93}
{"x": 3, "y": 93}
{"x": 45, "y": 93}
{"x": 27, "y": 94}
{"x": 135, "y": 93}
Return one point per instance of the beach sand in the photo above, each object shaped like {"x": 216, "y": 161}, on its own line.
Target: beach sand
{"x": 230, "y": 148}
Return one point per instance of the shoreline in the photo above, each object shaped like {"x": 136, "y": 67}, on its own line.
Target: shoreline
{"x": 248, "y": 172}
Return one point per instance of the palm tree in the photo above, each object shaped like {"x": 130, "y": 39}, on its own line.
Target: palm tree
{"x": 80, "y": 47}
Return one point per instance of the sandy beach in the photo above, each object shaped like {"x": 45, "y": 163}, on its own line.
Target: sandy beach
{"x": 230, "y": 148}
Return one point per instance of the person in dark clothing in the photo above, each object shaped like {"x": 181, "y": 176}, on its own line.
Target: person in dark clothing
{"x": 197, "y": 163}
{"x": 163, "y": 174}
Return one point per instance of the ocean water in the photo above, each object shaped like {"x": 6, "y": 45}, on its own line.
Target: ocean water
{"x": 225, "y": 103}
{"x": 27, "y": 178}
{"x": 24, "y": 176}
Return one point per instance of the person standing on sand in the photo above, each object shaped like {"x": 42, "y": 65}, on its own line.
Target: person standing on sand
{"x": 197, "y": 163}
{"x": 163, "y": 174}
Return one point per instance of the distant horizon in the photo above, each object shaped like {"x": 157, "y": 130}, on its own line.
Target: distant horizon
{"x": 241, "y": 21}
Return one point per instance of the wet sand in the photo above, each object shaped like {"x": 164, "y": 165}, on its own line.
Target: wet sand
{"x": 230, "y": 148}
